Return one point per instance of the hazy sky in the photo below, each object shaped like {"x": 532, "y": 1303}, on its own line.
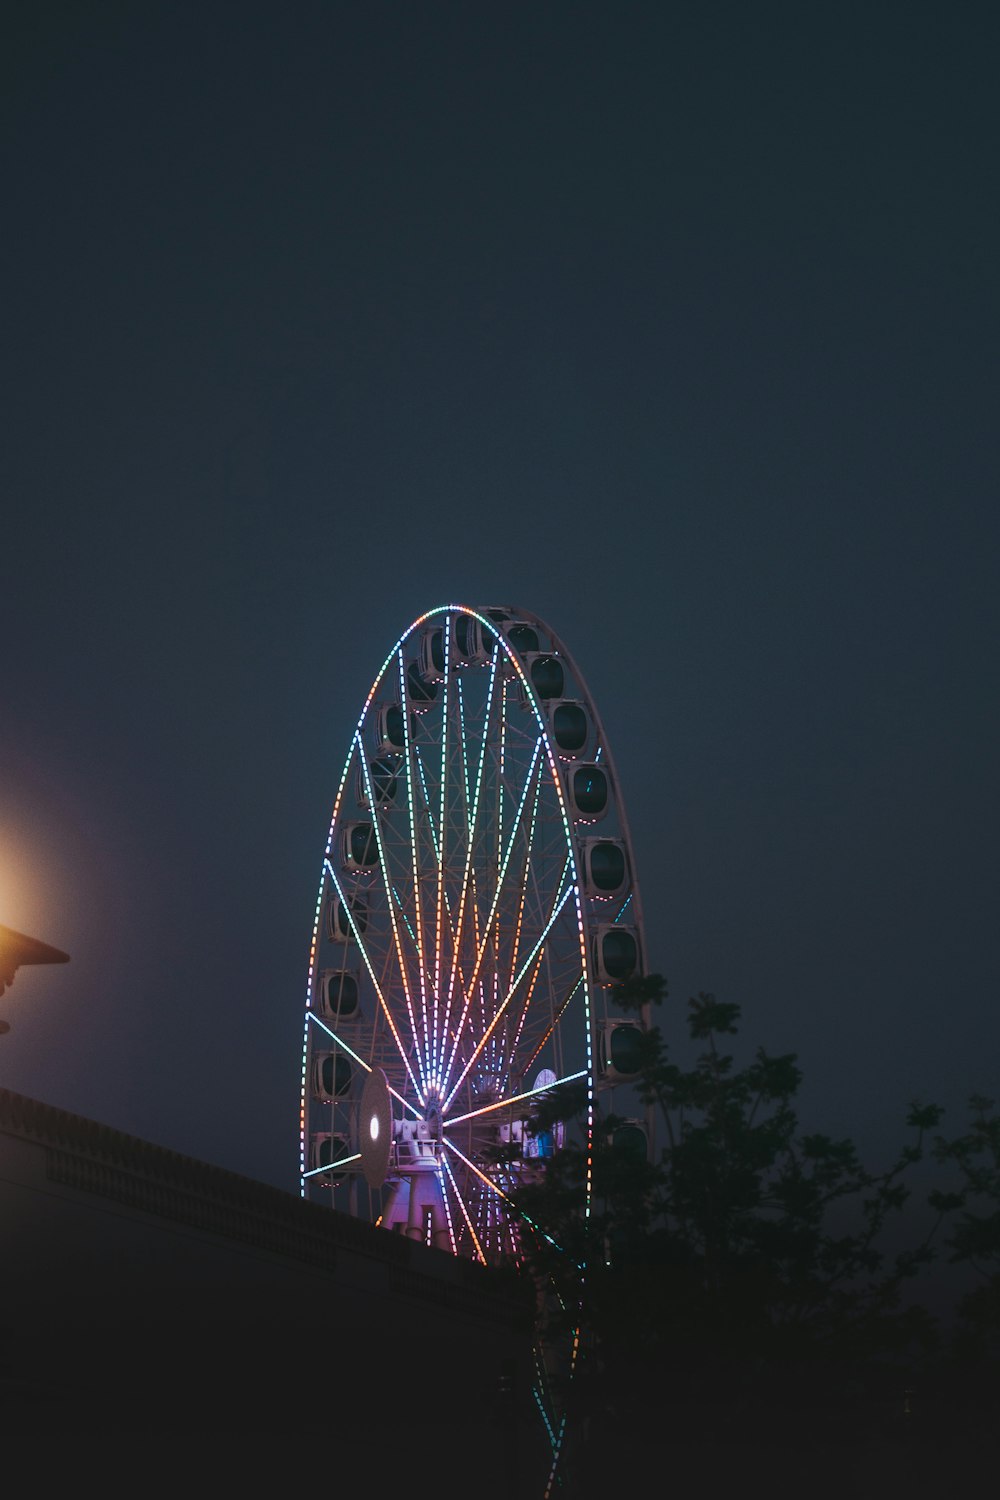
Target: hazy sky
{"x": 675, "y": 325}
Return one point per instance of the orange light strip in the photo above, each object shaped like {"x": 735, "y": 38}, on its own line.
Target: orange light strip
{"x": 528, "y": 994}
{"x": 555, "y": 1022}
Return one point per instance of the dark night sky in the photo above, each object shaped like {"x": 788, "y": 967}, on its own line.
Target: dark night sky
{"x": 677, "y": 326}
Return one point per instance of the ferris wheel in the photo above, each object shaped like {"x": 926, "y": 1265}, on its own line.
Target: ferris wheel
{"x": 477, "y": 907}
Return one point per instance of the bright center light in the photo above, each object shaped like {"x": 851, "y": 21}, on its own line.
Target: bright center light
{"x": 373, "y": 1127}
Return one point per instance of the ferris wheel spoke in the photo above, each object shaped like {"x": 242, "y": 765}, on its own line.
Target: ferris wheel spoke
{"x": 358, "y": 938}
{"x": 408, "y": 753}
{"x": 483, "y": 1178}
{"x": 488, "y": 1109}
{"x": 524, "y": 880}
{"x": 468, "y": 881}
{"x": 452, "y": 1237}
{"x": 446, "y": 1164}
{"x": 356, "y": 1057}
{"x": 444, "y": 922}
{"x": 501, "y": 877}
{"x": 495, "y": 1189}
{"x": 488, "y": 1031}
{"x": 339, "y": 1164}
{"x": 392, "y": 898}
{"x": 515, "y": 1038}
{"x": 537, "y": 956}
{"x": 554, "y": 1023}
{"x": 441, "y": 904}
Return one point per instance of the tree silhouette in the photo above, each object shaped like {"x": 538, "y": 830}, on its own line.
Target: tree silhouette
{"x": 746, "y": 1264}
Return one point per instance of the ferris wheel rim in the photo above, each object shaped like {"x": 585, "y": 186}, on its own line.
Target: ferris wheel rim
{"x": 488, "y": 617}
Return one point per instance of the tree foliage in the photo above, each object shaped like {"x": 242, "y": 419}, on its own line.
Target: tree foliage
{"x": 973, "y": 1207}
{"x": 745, "y": 1246}
{"x": 748, "y": 1267}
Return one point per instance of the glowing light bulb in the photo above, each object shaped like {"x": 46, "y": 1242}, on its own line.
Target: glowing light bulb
{"x": 373, "y": 1127}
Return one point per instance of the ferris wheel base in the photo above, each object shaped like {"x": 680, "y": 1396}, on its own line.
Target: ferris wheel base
{"x": 415, "y": 1207}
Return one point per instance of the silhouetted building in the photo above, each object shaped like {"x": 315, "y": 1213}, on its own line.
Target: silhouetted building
{"x": 145, "y": 1291}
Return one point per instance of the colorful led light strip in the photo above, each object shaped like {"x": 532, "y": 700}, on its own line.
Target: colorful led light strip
{"x": 470, "y": 845}
{"x": 496, "y": 1189}
{"x": 556, "y": 1450}
{"x": 524, "y": 968}
{"x": 553, "y": 1024}
{"x": 361, "y": 1062}
{"x": 465, "y": 1212}
{"x": 384, "y": 867}
{"x": 314, "y": 946}
{"x": 428, "y": 1042}
{"x": 442, "y": 1165}
{"x": 334, "y": 1166}
{"x": 488, "y": 1109}
{"x": 532, "y": 825}
{"x": 378, "y": 987}
{"x": 488, "y": 1182}
{"x": 417, "y": 919}
{"x": 515, "y": 1040}
{"x": 493, "y": 907}
{"x": 446, "y": 635}
{"x": 443, "y": 910}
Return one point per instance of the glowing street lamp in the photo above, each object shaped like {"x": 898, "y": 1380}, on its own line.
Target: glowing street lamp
{"x": 17, "y": 949}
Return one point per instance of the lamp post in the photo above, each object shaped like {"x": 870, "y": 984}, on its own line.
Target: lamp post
{"x": 17, "y": 949}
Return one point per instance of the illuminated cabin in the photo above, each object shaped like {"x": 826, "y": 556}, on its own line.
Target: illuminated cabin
{"x": 520, "y": 636}
{"x": 615, "y": 953}
{"x": 359, "y": 848}
{"x": 588, "y": 792}
{"x": 545, "y": 673}
{"x": 390, "y": 728}
{"x": 331, "y": 1076}
{"x": 337, "y": 994}
{"x": 619, "y": 1050}
{"x": 569, "y": 726}
{"x": 605, "y": 868}
{"x": 420, "y": 691}
{"x": 469, "y": 646}
{"x": 338, "y": 918}
{"x": 326, "y": 1150}
{"x": 383, "y": 777}
{"x": 431, "y": 662}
